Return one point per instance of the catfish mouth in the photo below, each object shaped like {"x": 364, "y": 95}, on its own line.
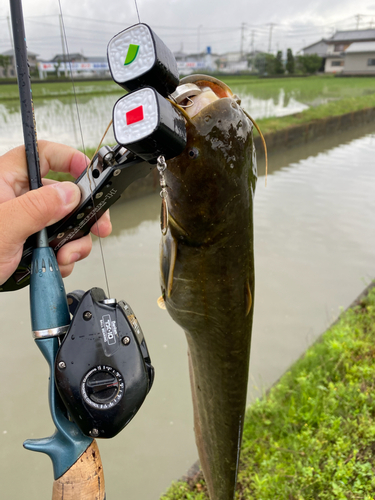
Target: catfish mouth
{"x": 196, "y": 92}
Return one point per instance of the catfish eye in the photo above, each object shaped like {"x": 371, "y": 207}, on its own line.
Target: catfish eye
{"x": 193, "y": 153}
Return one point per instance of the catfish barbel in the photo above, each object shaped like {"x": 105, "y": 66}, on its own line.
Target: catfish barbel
{"x": 207, "y": 268}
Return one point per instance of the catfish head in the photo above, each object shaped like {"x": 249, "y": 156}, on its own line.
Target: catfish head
{"x": 213, "y": 167}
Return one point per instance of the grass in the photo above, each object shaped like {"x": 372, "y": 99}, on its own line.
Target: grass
{"x": 313, "y": 435}
{"x": 44, "y": 90}
{"x": 311, "y": 90}
{"x": 334, "y": 108}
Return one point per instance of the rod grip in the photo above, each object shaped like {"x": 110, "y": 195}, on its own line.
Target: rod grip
{"x": 84, "y": 480}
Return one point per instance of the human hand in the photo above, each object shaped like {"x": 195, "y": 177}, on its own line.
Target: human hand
{"x": 24, "y": 212}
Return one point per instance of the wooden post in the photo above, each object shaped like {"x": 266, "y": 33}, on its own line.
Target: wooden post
{"x": 84, "y": 480}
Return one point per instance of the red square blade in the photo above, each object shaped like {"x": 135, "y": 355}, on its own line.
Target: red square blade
{"x": 135, "y": 115}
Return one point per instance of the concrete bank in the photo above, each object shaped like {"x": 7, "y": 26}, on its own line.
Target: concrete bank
{"x": 314, "y": 130}
{"x": 282, "y": 140}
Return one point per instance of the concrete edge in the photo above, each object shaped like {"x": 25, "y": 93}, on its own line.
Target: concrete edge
{"x": 313, "y": 130}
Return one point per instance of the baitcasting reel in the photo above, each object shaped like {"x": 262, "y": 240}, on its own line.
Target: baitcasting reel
{"x": 103, "y": 369}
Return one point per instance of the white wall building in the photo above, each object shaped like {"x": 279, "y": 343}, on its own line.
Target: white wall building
{"x": 333, "y": 50}
{"x": 360, "y": 58}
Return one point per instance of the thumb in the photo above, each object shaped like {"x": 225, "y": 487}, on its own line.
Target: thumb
{"x": 25, "y": 215}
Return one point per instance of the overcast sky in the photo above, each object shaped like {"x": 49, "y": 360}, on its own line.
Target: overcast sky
{"x": 190, "y": 25}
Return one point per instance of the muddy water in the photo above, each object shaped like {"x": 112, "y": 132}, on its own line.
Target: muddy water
{"x": 314, "y": 242}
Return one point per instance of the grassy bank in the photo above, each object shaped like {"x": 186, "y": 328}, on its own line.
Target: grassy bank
{"x": 313, "y": 435}
{"x": 334, "y": 108}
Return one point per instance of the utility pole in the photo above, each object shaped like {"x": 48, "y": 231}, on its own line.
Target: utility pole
{"x": 199, "y": 37}
{"x": 63, "y": 46}
{"x": 11, "y": 43}
{"x": 358, "y": 17}
{"x": 242, "y": 38}
{"x": 271, "y": 25}
{"x": 252, "y": 51}
{"x": 10, "y": 34}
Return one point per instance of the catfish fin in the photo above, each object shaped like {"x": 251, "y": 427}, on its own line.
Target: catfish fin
{"x": 161, "y": 302}
{"x": 168, "y": 251}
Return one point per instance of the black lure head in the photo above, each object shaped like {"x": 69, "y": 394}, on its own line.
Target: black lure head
{"x": 103, "y": 370}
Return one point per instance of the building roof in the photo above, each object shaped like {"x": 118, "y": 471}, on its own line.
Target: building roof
{"x": 95, "y": 59}
{"x": 361, "y": 47}
{"x": 323, "y": 40}
{"x": 353, "y": 35}
{"x": 76, "y": 56}
{"x": 10, "y": 52}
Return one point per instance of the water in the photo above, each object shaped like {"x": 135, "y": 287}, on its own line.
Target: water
{"x": 279, "y": 105}
{"x": 57, "y": 121}
{"x": 314, "y": 251}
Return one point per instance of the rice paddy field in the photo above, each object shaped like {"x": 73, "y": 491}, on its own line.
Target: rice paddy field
{"x": 275, "y": 103}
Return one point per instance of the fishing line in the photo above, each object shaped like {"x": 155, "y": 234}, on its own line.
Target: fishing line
{"x": 263, "y": 141}
{"x": 83, "y": 143}
{"x": 136, "y": 6}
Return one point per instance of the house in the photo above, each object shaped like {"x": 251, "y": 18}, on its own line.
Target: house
{"x": 333, "y": 49}
{"x": 10, "y": 70}
{"x": 78, "y": 64}
{"x": 233, "y": 62}
{"x": 360, "y": 59}
{"x": 189, "y": 63}
{"x": 339, "y": 43}
{"x": 319, "y": 48}
{"x": 75, "y": 57}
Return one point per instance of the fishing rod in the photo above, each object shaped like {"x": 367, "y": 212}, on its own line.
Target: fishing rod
{"x": 50, "y": 316}
{"x": 99, "y": 401}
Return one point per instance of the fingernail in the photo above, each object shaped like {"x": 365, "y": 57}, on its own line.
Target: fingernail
{"x": 74, "y": 257}
{"x": 68, "y": 191}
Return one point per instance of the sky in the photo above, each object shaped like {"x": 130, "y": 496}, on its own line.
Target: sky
{"x": 187, "y": 25}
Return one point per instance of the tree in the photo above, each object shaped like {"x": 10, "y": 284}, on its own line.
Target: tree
{"x": 260, "y": 63}
{"x": 4, "y": 63}
{"x": 279, "y": 66}
{"x": 57, "y": 67}
{"x": 270, "y": 64}
{"x": 290, "y": 62}
{"x": 309, "y": 63}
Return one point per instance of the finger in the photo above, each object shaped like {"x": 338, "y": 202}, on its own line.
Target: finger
{"x": 66, "y": 270}
{"x": 74, "y": 251}
{"x": 34, "y": 210}
{"x": 52, "y": 156}
{"x": 61, "y": 158}
{"x": 104, "y": 226}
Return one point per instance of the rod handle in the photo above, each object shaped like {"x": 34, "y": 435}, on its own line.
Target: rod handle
{"x": 84, "y": 480}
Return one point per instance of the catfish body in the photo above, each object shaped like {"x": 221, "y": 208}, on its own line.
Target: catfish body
{"x": 207, "y": 276}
